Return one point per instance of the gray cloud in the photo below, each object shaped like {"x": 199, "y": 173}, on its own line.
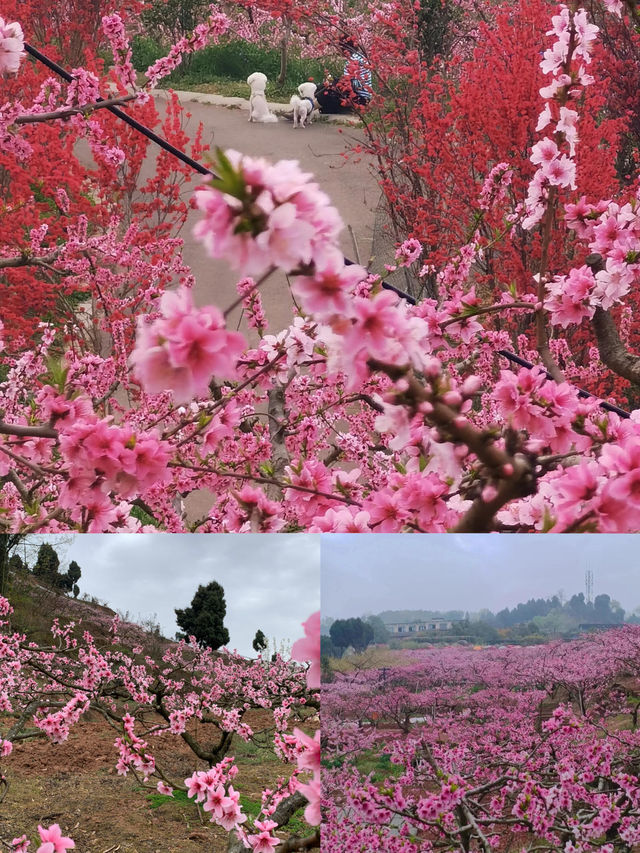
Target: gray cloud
{"x": 368, "y": 574}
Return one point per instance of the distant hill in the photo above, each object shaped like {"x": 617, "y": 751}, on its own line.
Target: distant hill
{"x": 36, "y": 605}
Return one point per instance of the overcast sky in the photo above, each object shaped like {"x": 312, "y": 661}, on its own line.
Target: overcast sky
{"x": 369, "y": 574}
{"x": 271, "y": 582}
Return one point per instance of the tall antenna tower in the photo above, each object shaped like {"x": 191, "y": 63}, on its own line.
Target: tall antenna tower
{"x": 588, "y": 585}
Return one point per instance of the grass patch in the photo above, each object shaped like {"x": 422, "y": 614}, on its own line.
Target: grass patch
{"x": 379, "y": 765}
{"x": 296, "y": 826}
{"x": 223, "y": 68}
{"x": 156, "y": 800}
{"x": 251, "y": 753}
{"x": 371, "y": 658}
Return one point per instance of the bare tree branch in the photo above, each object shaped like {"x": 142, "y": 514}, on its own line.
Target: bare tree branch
{"x": 87, "y": 109}
{"x": 613, "y": 352}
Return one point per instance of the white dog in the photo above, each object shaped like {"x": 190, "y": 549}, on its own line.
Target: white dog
{"x": 258, "y": 109}
{"x": 304, "y": 104}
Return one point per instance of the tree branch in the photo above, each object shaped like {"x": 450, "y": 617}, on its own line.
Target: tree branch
{"x": 67, "y": 112}
{"x": 282, "y": 815}
{"x": 28, "y": 431}
{"x": 612, "y": 351}
{"x": 279, "y": 453}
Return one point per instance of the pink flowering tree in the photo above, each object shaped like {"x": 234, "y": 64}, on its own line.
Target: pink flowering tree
{"x": 48, "y": 688}
{"x": 534, "y": 747}
{"x": 366, "y": 413}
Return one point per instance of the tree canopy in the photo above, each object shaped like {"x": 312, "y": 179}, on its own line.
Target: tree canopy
{"x": 351, "y": 632}
{"x": 204, "y": 619}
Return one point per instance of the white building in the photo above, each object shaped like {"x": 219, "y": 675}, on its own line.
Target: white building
{"x": 421, "y": 627}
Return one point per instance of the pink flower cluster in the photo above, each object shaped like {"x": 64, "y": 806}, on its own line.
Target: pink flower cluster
{"x": 495, "y": 186}
{"x": 113, "y": 28}
{"x": 259, "y": 216}
{"x": 552, "y": 412}
{"x": 263, "y": 841}
{"x": 84, "y": 88}
{"x": 57, "y": 725}
{"x": 252, "y": 302}
{"x": 613, "y": 232}
{"x": 11, "y": 46}
{"x": 102, "y": 456}
{"x": 53, "y": 841}
{"x": 329, "y": 291}
{"x": 565, "y": 61}
{"x": 251, "y": 511}
{"x": 308, "y": 759}
{"x": 185, "y": 348}
{"x": 133, "y": 750}
{"x": 408, "y": 252}
{"x": 209, "y": 788}
{"x": 216, "y": 25}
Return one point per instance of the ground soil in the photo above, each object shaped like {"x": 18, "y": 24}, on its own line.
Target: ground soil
{"x": 76, "y": 785}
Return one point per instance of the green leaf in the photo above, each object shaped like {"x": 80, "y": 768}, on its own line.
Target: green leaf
{"x": 229, "y": 180}
{"x": 548, "y": 521}
{"x": 57, "y": 373}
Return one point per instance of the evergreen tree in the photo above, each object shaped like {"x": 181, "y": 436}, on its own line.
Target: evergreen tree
{"x": 351, "y": 632}
{"x": 8, "y": 543}
{"x": 380, "y": 632}
{"x": 71, "y": 578}
{"x": 327, "y": 647}
{"x": 47, "y": 564}
{"x": 259, "y": 642}
{"x": 16, "y": 563}
{"x": 204, "y": 619}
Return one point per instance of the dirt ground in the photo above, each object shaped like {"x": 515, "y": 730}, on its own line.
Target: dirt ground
{"x": 76, "y": 785}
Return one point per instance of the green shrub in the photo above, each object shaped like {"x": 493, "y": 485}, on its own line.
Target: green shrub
{"x": 232, "y": 60}
{"x": 144, "y": 52}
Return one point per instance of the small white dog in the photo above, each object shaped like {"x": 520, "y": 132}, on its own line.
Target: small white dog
{"x": 258, "y": 108}
{"x": 304, "y": 104}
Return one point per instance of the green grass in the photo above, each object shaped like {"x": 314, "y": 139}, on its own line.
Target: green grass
{"x": 296, "y": 826}
{"x": 223, "y": 68}
{"x": 379, "y": 764}
{"x": 250, "y": 753}
{"x": 157, "y": 800}
{"x": 370, "y": 761}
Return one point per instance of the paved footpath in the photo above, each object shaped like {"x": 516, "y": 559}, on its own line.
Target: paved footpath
{"x": 319, "y": 148}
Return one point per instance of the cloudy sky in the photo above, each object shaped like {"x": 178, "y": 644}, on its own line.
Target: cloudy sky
{"x": 368, "y": 574}
{"x": 270, "y": 582}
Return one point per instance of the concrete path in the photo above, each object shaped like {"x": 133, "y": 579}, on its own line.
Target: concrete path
{"x": 243, "y": 104}
{"x": 320, "y": 149}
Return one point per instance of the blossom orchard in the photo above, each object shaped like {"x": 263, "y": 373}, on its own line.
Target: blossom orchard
{"x": 366, "y": 413}
{"x": 528, "y": 747}
{"x": 48, "y": 688}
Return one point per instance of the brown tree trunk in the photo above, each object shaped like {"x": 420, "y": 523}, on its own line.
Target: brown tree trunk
{"x": 284, "y": 54}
